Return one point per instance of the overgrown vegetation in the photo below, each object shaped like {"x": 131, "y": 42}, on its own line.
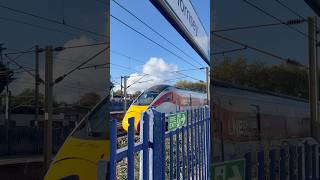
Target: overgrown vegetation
{"x": 283, "y": 79}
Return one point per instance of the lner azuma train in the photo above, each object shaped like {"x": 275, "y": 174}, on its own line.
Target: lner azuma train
{"x": 246, "y": 119}
{"x": 86, "y": 145}
{"x": 249, "y": 120}
{"x": 165, "y": 99}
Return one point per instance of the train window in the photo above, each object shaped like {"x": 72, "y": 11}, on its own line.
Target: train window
{"x": 94, "y": 126}
{"x": 146, "y": 98}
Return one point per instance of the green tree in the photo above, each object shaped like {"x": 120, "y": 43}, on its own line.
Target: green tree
{"x": 135, "y": 94}
{"x": 26, "y": 98}
{"x": 193, "y": 86}
{"x": 89, "y": 99}
{"x": 284, "y": 79}
{"x": 117, "y": 93}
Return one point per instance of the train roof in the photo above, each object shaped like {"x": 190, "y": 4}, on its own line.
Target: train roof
{"x": 158, "y": 88}
{"x": 255, "y": 90}
{"x": 224, "y": 84}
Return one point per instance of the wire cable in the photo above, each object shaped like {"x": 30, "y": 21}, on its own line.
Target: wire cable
{"x": 27, "y": 71}
{"x": 286, "y": 60}
{"x": 153, "y": 30}
{"x": 126, "y": 56}
{"x": 288, "y": 22}
{"x": 60, "y": 78}
{"x": 51, "y": 20}
{"x": 291, "y": 10}
{"x": 148, "y": 38}
{"x": 274, "y": 17}
{"x": 230, "y": 51}
{"x": 37, "y": 26}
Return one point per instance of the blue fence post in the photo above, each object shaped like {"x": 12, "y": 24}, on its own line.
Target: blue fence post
{"x": 192, "y": 144}
{"x": 282, "y": 165}
{"x": 158, "y": 145}
{"x": 130, "y": 170}
{"x": 113, "y": 149}
{"x": 272, "y": 160}
{"x": 196, "y": 150}
{"x": 145, "y": 146}
{"x": 188, "y": 147}
{"x": 299, "y": 156}
{"x": 183, "y": 153}
{"x": 210, "y": 161}
{"x": 292, "y": 162}
{"x": 178, "y": 154}
{"x": 318, "y": 161}
{"x": 171, "y": 155}
{"x": 201, "y": 144}
{"x": 313, "y": 161}
{"x": 260, "y": 157}
{"x": 247, "y": 157}
{"x": 307, "y": 161}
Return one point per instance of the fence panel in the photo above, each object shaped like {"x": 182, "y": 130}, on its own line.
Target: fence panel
{"x": 185, "y": 147}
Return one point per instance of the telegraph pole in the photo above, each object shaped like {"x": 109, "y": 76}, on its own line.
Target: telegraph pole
{"x": 47, "y": 148}
{"x": 37, "y": 83}
{"x": 121, "y": 86}
{"x": 313, "y": 78}
{"x": 125, "y": 92}
{"x": 208, "y": 84}
{"x": 211, "y": 82}
{"x": 7, "y": 110}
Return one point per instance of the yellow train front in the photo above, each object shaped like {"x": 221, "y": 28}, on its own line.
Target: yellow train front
{"x": 85, "y": 146}
{"x": 163, "y": 98}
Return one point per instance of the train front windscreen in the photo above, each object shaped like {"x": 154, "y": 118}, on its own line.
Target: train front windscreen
{"x": 146, "y": 98}
{"x": 141, "y": 104}
{"x": 78, "y": 157}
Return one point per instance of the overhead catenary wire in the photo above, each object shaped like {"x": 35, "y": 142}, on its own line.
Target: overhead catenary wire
{"x": 289, "y": 9}
{"x": 27, "y": 71}
{"x": 288, "y": 22}
{"x": 292, "y": 11}
{"x": 126, "y": 56}
{"x": 165, "y": 80}
{"x": 274, "y": 17}
{"x": 37, "y": 26}
{"x": 155, "y": 31}
{"x": 286, "y": 60}
{"x": 230, "y": 51}
{"x": 83, "y": 45}
{"x": 60, "y": 78}
{"x": 137, "y": 80}
{"x": 58, "y": 48}
{"x": 153, "y": 41}
{"x": 51, "y": 20}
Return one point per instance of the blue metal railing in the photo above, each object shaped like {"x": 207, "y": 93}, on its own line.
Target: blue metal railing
{"x": 187, "y": 147}
{"x": 187, "y": 152}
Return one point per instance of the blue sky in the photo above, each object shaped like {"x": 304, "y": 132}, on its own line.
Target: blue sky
{"x": 128, "y": 42}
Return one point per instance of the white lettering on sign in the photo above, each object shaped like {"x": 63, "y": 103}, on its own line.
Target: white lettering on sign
{"x": 185, "y": 12}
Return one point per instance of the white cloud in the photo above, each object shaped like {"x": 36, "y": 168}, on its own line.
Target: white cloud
{"x": 154, "y": 71}
{"x": 77, "y": 83}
